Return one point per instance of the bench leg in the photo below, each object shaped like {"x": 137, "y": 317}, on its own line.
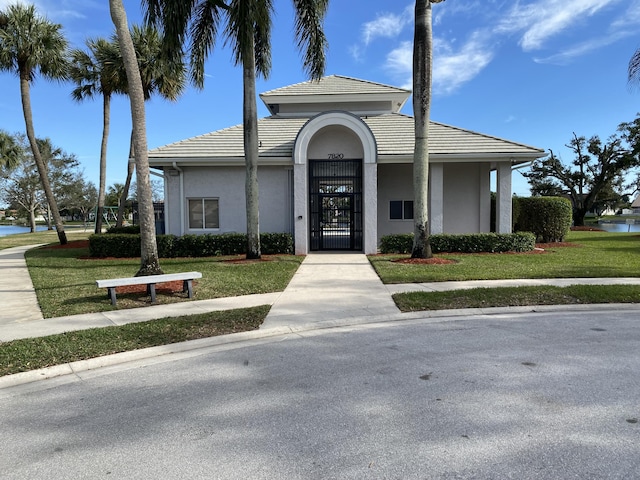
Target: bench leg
{"x": 187, "y": 286}
{"x": 151, "y": 290}
{"x": 111, "y": 293}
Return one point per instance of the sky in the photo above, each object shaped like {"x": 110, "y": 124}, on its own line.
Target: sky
{"x": 530, "y": 71}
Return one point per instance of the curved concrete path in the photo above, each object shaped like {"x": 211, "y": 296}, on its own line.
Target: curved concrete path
{"x": 17, "y": 295}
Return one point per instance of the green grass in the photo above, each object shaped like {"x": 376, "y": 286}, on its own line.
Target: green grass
{"x": 596, "y": 254}
{"x": 33, "y": 353}
{"x": 64, "y": 279}
{"x": 50, "y": 236}
{"x": 517, "y": 296}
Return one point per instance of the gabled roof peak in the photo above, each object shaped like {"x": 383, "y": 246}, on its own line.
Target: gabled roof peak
{"x": 335, "y": 85}
{"x": 335, "y": 92}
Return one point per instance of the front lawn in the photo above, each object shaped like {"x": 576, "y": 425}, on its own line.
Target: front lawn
{"x": 64, "y": 279}
{"x": 593, "y": 254}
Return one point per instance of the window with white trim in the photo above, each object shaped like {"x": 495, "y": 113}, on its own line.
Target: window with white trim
{"x": 401, "y": 210}
{"x": 203, "y": 213}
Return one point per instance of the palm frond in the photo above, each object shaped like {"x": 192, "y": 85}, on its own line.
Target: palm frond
{"x": 310, "y": 36}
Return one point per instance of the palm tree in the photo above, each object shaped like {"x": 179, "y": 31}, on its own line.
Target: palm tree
{"x": 248, "y": 30}
{"x": 633, "y": 72}
{"x": 160, "y": 74}
{"x": 422, "y": 73}
{"x": 10, "y": 151}
{"x": 149, "y": 262}
{"x": 30, "y": 43}
{"x": 95, "y": 72}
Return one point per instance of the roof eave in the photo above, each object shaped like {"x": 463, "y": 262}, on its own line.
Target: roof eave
{"x": 515, "y": 158}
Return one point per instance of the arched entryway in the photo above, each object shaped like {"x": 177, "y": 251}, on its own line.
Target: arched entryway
{"x": 335, "y": 185}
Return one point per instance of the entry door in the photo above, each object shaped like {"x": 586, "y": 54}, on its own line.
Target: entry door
{"x": 336, "y": 224}
{"x": 335, "y": 204}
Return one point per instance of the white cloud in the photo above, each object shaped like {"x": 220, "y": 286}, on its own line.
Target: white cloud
{"x": 356, "y": 52}
{"x": 532, "y": 22}
{"x": 451, "y": 68}
{"x": 53, "y": 9}
{"x": 630, "y": 18}
{"x": 544, "y": 19}
{"x": 387, "y": 25}
{"x": 567, "y": 55}
{"x": 400, "y": 63}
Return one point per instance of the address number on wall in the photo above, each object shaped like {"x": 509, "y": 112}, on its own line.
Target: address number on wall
{"x": 336, "y": 156}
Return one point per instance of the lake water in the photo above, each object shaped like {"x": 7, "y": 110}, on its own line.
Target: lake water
{"x": 13, "y": 229}
{"x": 619, "y": 227}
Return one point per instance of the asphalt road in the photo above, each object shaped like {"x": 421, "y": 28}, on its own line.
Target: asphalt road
{"x": 526, "y": 396}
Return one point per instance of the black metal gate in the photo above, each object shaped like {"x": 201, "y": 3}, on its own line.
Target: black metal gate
{"x": 335, "y": 204}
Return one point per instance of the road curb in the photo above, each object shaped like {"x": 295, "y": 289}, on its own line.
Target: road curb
{"x": 132, "y": 358}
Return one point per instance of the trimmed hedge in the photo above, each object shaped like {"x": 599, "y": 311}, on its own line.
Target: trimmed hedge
{"x": 170, "y": 246}
{"x": 468, "y": 243}
{"x": 129, "y": 229}
{"x": 549, "y": 218}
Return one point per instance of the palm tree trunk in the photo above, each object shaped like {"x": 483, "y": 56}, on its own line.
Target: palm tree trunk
{"x": 122, "y": 204}
{"x": 49, "y": 226}
{"x": 422, "y": 65}
{"x": 42, "y": 171}
{"x": 149, "y": 263}
{"x": 32, "y": 217}
{"x": 250, "y": 120}
{"x": 106, "y": 115}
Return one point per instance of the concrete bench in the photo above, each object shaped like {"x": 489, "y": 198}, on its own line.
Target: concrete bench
{"x": 149, "y": 280}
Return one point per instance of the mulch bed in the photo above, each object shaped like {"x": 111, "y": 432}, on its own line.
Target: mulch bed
{"x": 71, "y": 244}
{"x": 541, "y": 248}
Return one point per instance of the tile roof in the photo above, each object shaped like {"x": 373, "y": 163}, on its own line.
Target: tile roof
{"x": 393, "y": 132}
{"x": 334, "y": 85}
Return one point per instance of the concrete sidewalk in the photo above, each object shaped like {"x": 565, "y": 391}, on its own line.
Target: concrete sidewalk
{"x": 328, "y": 287}
{"x": 17, "y": 295}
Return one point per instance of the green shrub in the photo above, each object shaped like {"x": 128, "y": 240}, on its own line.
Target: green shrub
{"x": 549, "y": 218}
{"x": 276, "y": 243}
{"x": 397, "y": 243}
{"x": 118, "y": 245}
{"x": 467, "y": 243}
{"x": 170, "y": 246}
{"x": 129, "y": 229}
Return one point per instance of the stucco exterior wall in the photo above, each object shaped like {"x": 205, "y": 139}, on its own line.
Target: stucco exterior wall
{"x": 172, "y": 205}
{"x": 227, "y": 185}
{"x": 465, "y": 190}
{"x": 395, "y": 182}
{"x": 335, "y": 139}
{"x": 467, "y": 198}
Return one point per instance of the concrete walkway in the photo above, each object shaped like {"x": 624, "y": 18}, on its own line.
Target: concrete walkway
{"x": 327, "y": 289}
{"x": 17, "y": 296}
{"x": 331, "y": 286}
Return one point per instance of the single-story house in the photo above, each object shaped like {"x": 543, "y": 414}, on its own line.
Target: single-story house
{"x": 335, "y": 170}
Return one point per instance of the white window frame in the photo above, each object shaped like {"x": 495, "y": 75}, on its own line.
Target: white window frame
{"x": 203, "y": 219}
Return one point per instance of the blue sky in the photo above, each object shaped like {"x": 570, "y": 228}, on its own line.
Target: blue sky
{"x": 532, "y": 71}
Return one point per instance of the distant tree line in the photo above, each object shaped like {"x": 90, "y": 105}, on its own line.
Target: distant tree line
{"x": 599, "y": 175}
